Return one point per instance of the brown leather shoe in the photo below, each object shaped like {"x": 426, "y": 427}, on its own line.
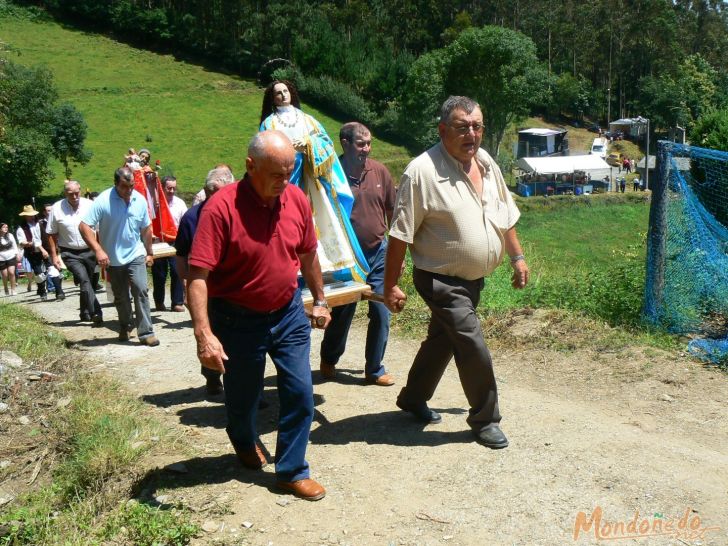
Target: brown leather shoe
{"x": 386, "y": 380}
{"x": 328, "y": 371}
{"x": 307, "y": 489}
{"x": 252, "y": 458}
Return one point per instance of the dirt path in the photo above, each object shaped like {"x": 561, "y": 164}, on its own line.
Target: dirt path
{"x": 625, "y": 431}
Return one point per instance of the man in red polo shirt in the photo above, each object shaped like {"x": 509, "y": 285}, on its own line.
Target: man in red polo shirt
{"x": 251, "y": 241}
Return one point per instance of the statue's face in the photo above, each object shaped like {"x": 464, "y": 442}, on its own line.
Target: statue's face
{"x": 281, "y": 95}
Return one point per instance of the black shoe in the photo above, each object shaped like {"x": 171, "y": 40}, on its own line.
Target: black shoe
{"x": 98, "y": 321}
{"x": 492, "y": 437}
{"x": 60, "y": 297}
{"x": 85, "y": 317}
{"x": 421, "y": 412}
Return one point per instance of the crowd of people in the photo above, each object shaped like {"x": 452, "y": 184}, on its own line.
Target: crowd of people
{"x": 299, "y": 209}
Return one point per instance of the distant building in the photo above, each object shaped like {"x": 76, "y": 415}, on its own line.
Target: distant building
{"x": 540, "y": 142}
{"x": 633, "y": 128}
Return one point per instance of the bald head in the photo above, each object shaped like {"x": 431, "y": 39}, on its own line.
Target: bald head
{"x": 269, "y": 164}
{"x": 266, "y": 143}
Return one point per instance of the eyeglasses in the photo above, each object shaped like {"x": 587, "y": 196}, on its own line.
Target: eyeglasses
{"x": 465, "y": 129}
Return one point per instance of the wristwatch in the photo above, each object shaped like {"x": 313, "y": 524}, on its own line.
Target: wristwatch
{"x": 321, "y": 303}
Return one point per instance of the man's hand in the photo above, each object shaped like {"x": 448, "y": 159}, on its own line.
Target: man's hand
{"x": 520, "y": 274}
{"x": 149, "y": 260}
{"x": 318, "y": 313}
{"x": 57, "y": 262}
{"x": 394, "y": 299}
{"x": 43, "y": 253}
{"x": 101, "y": 258}
{"x": 210, "y": 352}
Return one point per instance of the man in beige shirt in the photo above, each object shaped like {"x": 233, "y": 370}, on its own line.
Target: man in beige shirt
{"x": 458, "y": 218}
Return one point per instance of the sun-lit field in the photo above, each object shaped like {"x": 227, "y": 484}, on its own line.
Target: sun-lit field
{"x": 190, "y": 118}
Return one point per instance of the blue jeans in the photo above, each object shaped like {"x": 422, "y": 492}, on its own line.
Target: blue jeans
{"x": 247, "y": 337}
{"x": 335, "y": 335}
{"x": 123, "y": 277}
{"x": 159, "y": 279}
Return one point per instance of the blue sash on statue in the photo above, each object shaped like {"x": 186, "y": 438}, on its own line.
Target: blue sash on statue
{"x": 319, "y": 174}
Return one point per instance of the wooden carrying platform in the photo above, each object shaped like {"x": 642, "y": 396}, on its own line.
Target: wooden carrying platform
{"x": 163, "y": 250}
{"x": 342, "y": 293}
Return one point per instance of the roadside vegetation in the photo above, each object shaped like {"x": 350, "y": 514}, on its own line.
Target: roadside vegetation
{"x": 80, "y": 451}
{"x": 586, "y": 253}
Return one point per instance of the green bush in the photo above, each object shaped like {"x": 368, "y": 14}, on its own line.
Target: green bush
{"x": 325, "y": 92}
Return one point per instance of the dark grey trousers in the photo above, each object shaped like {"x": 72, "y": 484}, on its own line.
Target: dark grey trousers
{"x": 82, "y": 263}
{"x": 454, "y": 330}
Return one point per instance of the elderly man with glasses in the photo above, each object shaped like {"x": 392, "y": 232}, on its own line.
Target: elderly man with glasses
{"x": 458, "y": 218}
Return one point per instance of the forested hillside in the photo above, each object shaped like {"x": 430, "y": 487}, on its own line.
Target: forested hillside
{"x": 658, "y": 58}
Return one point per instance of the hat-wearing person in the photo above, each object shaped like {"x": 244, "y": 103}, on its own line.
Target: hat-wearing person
{"x": 29, "y": 239}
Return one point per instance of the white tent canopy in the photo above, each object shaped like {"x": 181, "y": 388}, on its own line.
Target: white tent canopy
{"x": 562, "y": 164}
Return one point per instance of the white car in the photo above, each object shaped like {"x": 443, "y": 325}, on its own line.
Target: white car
{"x": 599, "y": 147}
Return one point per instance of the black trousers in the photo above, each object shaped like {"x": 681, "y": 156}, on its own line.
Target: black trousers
{"x": 81, "y": 263}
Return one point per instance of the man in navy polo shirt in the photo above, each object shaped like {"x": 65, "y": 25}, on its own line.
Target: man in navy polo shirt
{"x": 251, "y": 241}
{"x": 217, "y": 178}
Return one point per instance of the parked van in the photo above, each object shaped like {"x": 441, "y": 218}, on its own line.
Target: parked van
{"x": 599, "y": 147}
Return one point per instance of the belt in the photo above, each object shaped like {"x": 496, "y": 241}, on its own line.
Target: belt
{"x": 73, "y": 250}
{"x": 227, "y": 306}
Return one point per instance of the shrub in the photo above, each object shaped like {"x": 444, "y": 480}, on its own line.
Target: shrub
{"x": 325, "y": 92}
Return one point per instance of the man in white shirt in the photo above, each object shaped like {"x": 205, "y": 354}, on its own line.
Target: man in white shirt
{"x": 177, "y": 208}
{"x": 457, "y": 217}
{"x": 68, "y": 247}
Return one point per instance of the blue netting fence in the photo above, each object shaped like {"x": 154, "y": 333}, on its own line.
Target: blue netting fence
{"x": 686, "y": 289}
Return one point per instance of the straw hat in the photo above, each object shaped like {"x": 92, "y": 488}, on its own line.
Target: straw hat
{"x": 28, "y": 210}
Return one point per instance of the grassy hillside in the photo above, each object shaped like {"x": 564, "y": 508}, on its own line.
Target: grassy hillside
{"x": 586, "y": 257}
{"x": 188, "y": 117}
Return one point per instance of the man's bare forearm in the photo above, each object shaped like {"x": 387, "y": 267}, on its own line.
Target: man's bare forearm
{"x": 197, "y": 300}
{"x": 89, "y": 237}
{"x": 396, "y": 250}
{"x": 147, "y": 239}
{"x": 513, "y": 246}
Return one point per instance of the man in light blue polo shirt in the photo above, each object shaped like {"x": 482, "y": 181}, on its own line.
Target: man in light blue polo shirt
{"x": 125, "y": 231}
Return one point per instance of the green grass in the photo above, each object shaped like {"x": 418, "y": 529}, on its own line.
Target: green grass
{"x": 582, "y": 235}
{"x": 190, "y": 118}
{"x": 93, "y": 446}
{"x": 23, "y": 334}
